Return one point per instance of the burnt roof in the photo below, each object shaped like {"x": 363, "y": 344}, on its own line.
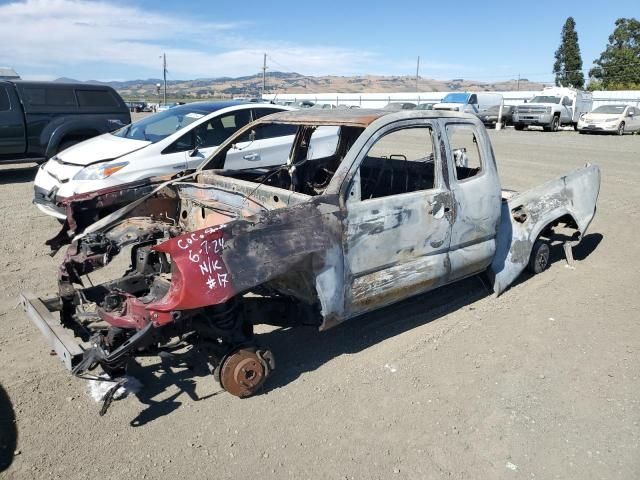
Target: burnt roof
{"x": 357, "y": 117}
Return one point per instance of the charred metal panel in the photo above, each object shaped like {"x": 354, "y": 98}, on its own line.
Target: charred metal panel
{"x": 269, "y": 245}
{"x": 266, "y": 195}
{"x": 275, "y": 242}
{"x": 527, "y": 214}
{"x": 396, "y": 245}
{"x": 352, "y": 117}
{"x": 398, "y": 282}
{"x": 476, "y": 209}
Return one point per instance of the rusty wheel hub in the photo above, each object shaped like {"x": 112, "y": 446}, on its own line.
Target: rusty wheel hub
{"x": 244, "y": 371}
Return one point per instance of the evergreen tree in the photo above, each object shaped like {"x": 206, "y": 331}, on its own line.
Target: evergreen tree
{"x": 568, "y": 64}
{"x": 618, "y": 67}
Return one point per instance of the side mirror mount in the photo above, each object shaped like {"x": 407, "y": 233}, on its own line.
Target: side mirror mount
{"x": 252, "y": 136}
{"x": 194, "y": 152}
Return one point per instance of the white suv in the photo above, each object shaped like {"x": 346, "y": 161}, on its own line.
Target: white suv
{"x": 165, "y": 143}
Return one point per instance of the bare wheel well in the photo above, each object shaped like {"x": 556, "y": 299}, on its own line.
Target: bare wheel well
{"x": 562, "y": 228}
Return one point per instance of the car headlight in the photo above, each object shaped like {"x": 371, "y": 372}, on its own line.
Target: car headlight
{"x": 100, "y": 171}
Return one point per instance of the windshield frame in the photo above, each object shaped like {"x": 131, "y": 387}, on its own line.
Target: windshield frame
{"x": 138, "y": 130}
{"x": 456, "y": 97}
{"x": 543, "y": 97}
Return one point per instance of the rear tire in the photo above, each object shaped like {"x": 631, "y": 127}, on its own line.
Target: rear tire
{"x": 555, "y": 124}
{"x": 620, "y": 130}
{"x": 539, "y": 259}
{"x": 518, "y": 126}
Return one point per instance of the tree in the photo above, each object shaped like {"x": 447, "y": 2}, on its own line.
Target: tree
{"x": 619, "y": 65}
{"x": 568, "y": 64}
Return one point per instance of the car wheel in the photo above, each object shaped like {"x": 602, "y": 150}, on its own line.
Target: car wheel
{"x": 555, "y": 124}
{"x": 620, "y": 130}
{"x": 518, "y": 126}
{"x": 575, "y": 127}
{"x": 539, "y": 259}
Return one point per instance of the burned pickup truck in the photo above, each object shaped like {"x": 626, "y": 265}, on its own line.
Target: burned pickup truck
{"x": 400, "y": 204}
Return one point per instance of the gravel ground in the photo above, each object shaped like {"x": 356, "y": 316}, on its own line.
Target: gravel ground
{"x": 542, "y": 382}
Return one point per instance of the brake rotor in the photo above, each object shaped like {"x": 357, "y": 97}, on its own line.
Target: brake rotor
{"x": 244, "y": 371}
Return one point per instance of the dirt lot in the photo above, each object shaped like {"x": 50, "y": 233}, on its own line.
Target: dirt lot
{"x": 542, "y": 382}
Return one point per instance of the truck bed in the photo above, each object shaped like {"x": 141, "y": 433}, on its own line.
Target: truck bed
{"x": 569, "y": 199}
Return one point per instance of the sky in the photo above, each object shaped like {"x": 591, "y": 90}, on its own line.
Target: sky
{"x": 124, "y": 40}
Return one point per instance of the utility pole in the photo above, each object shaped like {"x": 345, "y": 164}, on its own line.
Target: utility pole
{"x": 164, "y": 76}
{"x": 264, "y": 74}
{"x": 417, "y": 72}
{"x": 518, "y": 86}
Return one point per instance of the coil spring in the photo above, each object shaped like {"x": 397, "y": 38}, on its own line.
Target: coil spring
{"x": 224, "y": 317}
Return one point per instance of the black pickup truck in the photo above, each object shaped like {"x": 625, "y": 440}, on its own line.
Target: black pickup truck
{"x": 40, "y": 119}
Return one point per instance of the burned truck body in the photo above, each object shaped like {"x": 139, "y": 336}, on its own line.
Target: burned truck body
{"x": 399, "y": 204}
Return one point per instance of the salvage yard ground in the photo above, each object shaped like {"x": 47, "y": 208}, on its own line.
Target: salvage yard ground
{"x": 543, "y": 382}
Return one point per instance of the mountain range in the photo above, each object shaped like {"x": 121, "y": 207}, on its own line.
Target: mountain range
{"x": 283, "y": 82}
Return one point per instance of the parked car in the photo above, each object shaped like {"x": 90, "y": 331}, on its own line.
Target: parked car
{"x": 403, "y": 203}
{"x": 552, "y": 108}
{"x": 323, "y": 106}
{"x": 166, "y": 106}
{"x": 397, "y": 106}
{"x": 459, "y": 102}
{"x": 137, "y": 107}
{"x": 618, "y": 119}
{"x": 40, "y": 119}
{"x": 164, "y": 143}
{"x": 425, "y": 106}
{"x": 489, "y": 117}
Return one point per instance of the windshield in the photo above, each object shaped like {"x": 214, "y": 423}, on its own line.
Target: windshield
{"x": 456, "y": 98}
{"x": 614, "y": 109}
{"x": 159, "y": 126}
{"x": 545, "y": 99}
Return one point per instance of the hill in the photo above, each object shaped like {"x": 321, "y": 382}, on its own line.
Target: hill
{"x": 281, "y": 82}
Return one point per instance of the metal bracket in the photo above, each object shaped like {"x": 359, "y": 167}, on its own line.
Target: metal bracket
{"x": 568, "y": 254}
{"x": 64, "y": 344}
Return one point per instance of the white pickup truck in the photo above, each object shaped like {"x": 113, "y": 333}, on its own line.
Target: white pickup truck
{"x": 552, "y": 108}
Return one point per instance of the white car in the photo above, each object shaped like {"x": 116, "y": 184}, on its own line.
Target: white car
{"x": 617, "y": 119}
{"x": 168, "y": 142}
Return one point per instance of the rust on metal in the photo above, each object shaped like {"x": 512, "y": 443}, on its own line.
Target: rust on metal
{"x": 244, "y": 371}
{"x": 355, "y": 117}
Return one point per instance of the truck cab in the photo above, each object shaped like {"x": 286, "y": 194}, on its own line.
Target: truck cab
{"x": 13, "y": 135}
{"x": 40, "y": 119}
{"x": 553, "y": 108}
